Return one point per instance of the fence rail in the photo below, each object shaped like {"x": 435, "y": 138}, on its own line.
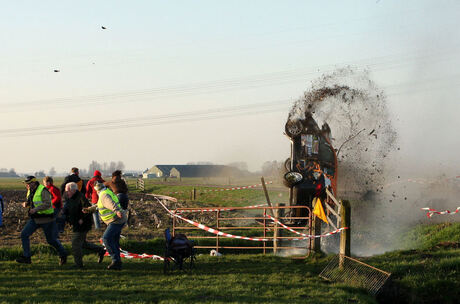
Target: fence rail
{"x": 275, "y": 240}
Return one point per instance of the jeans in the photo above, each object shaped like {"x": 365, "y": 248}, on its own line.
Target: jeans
{"x": 111, "y": 239}
{"x": 97, "y": 221}
{"x": 51, "y": 234}
{"x": 1, "y": 216}
{"x": 60, "y": 220}
{"x": 79, "y": 243}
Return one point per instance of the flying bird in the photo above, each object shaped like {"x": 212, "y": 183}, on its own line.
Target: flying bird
{"x": 103, "y": 27}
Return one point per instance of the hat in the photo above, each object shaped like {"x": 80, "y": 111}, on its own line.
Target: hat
{"x": 99, "y": 186}
{"x": 30, "y": 179}
{"x": 97, "y": 173}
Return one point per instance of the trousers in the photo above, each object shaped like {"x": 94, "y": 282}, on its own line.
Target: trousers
{"x": 79, "y": 243}
{"x": 51, "y": 234}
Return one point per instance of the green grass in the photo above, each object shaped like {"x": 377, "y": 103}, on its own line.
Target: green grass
{"x": 420, "y": 275}
{"x": 428, "y": 236}
{"x": 426, "y": 272}
{"x": 227, "y": 279}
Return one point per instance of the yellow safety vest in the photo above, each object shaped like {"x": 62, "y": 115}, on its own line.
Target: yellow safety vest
{"x": 37, "y": 200}
{"x": 107, "y": 214}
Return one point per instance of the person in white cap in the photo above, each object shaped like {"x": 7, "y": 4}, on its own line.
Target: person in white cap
{"x": 111, "y": 212}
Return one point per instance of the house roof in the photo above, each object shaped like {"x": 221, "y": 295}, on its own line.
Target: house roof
{"x": 200, "y": 170}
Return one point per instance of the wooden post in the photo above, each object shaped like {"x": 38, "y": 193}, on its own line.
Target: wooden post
{"x": 266, "y": 195}
{"x": 345, "y": 240}
{"x": 193, "y": 194}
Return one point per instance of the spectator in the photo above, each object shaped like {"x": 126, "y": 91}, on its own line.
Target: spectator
{"x": 56, "y": 201}
{"x": 2, "y": 210}
{"x": 73, "y": 177}
{"x": 41, "y": 216}
{"x": 81, "y": 223}
{"x": 115, "y": 217}
{"x": 119, "y": 187}
{"x": 91, "y": 195}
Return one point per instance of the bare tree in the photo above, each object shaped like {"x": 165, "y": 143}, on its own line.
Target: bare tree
{"x": 52, "y": 172}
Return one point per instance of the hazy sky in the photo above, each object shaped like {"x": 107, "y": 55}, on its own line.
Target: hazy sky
{"x": 170, "y": 82}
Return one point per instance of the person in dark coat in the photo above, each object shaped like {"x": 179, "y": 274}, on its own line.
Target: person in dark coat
{"x": 81, "y": 223}
{"x": 73, "y": 177}
{"x": 2, "y": 210}
{"x": 119, "y": 187}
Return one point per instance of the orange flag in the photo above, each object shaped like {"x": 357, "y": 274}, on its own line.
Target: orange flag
{"x": 319, "y": 211}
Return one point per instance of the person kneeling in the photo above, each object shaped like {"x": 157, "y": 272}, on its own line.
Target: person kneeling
{"x": 80, "y": 222}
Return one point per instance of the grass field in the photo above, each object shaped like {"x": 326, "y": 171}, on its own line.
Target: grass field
{"x": 428, "y": 271}
{"x": 227, "y": 279}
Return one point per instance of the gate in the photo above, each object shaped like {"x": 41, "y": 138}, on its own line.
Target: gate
{"x": 274, "y": 237}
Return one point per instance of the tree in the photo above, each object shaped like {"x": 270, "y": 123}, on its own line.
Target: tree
{"x": 243, "y": 166}
{"x": 271, "y": 168}
{"x": 52, "y": 172}
{"x": 40, "y": 173}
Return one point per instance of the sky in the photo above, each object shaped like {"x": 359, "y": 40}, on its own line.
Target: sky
{"x": 172, "y": 82}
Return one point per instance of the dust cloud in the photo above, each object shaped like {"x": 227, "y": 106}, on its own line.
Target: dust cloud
{"x": 385, "y": 203}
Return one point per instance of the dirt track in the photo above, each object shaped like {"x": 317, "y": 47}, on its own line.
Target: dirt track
{"x": 147, "y": 220}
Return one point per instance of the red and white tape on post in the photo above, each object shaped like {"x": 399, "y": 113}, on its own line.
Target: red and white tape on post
{"x": 226, "y": 189}
{"x": 432, "y": 211}
{"x": 221, "y": 209}
{"x": 237, "y": 188}
{"x": 305, "y": 236}
{"x": 211, "y": 230}
{"x": 220, "y": 233}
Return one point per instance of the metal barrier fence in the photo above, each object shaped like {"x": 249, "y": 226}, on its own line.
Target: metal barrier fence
{"x": 268, "y": 230}
{"x": 356, "y": 273}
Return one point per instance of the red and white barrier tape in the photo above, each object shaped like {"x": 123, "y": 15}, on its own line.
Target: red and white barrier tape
{"x": 221, "y": 209}
{"x": 209, "y": 229}
{"x": 129, "y": 255}
{"x": 226, "y": 189}
{"x": 305, "y": 236}
{"x": 432, "y": 212}
{"x": 220, "y": 233}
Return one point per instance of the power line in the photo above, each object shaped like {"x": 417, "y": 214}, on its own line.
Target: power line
{"x": 280, "y": 77}
{"x": 189, "y": 116}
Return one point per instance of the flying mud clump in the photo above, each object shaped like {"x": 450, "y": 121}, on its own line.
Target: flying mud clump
{"x": 362, "y": 131}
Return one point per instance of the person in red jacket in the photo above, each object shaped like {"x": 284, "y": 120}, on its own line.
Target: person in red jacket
{"x": 56, "y": 201}
{"x": 92, "y": 196}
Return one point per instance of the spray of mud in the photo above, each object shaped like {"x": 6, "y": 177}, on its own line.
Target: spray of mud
{"x": 384, "y": 203}
{"x": 363, "y": 136}
{"x": 362, "y": 130}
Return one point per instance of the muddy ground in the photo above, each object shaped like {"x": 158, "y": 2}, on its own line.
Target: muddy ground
{"x": 147, "y": 220}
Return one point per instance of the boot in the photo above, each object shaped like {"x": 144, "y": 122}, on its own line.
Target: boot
{"x": 115, "y": 265}
{"x": 101, "y": 256}
{"x": 24, "y": 260}
{"x": 62, "y": 260}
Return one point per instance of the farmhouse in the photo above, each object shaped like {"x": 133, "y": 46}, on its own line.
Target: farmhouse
{"x": 178, "y": 171}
